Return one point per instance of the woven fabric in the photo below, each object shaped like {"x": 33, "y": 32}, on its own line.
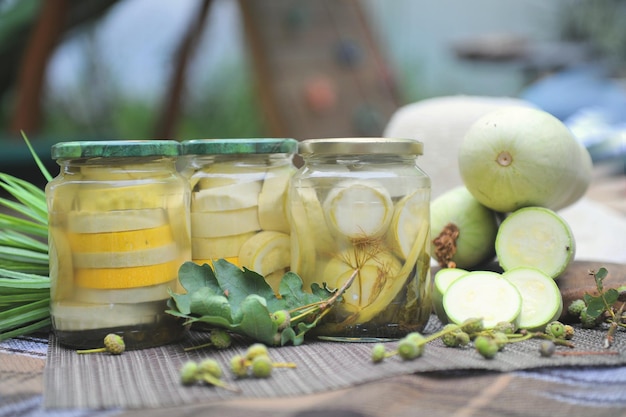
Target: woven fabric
{"x": 150, "y": 377}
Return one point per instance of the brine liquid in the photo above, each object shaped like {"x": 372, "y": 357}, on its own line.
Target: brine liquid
{"x": 389, "y": 263}
{"x": 116, "y": 244}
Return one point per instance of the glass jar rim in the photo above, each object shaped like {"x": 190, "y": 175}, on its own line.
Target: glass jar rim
{"x": 235, "y": 146}
{"x": 360, "y": 146}
{"x": 115, "y": 149}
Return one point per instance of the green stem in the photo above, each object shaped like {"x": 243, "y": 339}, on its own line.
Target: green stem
{"x": 96, "y": 350}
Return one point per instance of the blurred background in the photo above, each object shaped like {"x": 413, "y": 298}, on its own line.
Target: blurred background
{"x": 143, "y": 69}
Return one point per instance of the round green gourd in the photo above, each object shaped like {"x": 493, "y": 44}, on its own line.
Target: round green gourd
{"x": 517, "y": 157}
{"x": 477, "y": 226}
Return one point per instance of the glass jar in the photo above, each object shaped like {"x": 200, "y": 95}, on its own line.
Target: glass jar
{"x": 118, "y": 233}
{"x": 238, "y": 202}
{"x": 359, "y": 210}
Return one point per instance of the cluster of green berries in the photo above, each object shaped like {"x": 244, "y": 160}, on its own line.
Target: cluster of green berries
{"x": 578, "y": 308}
{"x": 409, "y": 347}
{"x": 487, "y": 342}
{"x": 256, "y": 361}
{"x": 207, "y": 371}
{"x": 555, "y": 331}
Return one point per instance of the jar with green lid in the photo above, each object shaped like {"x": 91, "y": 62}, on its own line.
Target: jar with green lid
{"x": 360, "y": 219}
{"x": 118, "y": 233}
{"x": 238, "y": 202}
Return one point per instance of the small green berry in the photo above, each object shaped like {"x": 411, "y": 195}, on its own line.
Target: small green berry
{"x": 239, "y": 366}
{"x": 576, "y": 307}
{"x": 211, "y": 367}
{"x": 555, "y": 329}
{"x": 282, "y": 319}
{"x": 450, "y": 339}
{"x": 547, "y": 348}
{"x": 220, "y": 338}
{"x": 462, "y": 338}
{"x": 114, "y": 344}
{"x": 262, "y": 366}
{"x": 504, "y": 327}
{"x": 408, "y": 348}
{"x": 472, "y": 325}
{"x": 378, "y": 353}
{"x": 486, "y": 346}
{"x": 256, "y": 349}
{"x": 501, "y": 339}
{"x": 189, "y": 373}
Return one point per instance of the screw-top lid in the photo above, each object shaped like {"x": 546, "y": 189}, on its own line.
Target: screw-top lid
{"x": 115, "y": 149}
{"x": 239, "y": 146}
{"x": 360, "y": 146}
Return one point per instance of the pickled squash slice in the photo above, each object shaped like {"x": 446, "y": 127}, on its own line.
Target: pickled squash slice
{"x": 358, "y": 208}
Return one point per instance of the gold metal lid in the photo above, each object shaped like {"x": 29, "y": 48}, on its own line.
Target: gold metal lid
{"x": 360, "y": 146}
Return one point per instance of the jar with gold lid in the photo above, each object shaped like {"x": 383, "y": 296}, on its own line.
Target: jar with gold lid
{"x": 238, "y": 202}
{"x": 118, "y": 233}
{"x": 360, "y": 222}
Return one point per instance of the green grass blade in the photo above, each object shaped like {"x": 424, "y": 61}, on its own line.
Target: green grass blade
{"x": 22, "y": 297}
{"x": 24, "y": 330}
{"x": 23, "y": 209}
{"x": 23, "y": 255}
{"x": 28, "y": 194}
{"x": 20, "y": 240}
{"x": 9, "y": 276}
{"x": 24, "y": 314}
{"x": 41, "y": 166}
{"x": 27, "y": 268}
{"x": 23, "y": 226}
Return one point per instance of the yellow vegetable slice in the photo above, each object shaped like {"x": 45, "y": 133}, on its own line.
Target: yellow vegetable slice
{"x": 225, "y": 223}
{"x": 233, "y": 260}
{"x": 374, "y": 280}
{"x": 218, "y": 247}
{"x": 273, "y": 202}
{"x": 132, "y": 197}
{"x": 131, "y": 277}
{"x": 358, "y": 208}
{"x": 228, "y": 197}
{"x": 303, "y": 254}
{"x": 115, "y": 221}
{"x": 321, "y": 236}
{"x": 132, "y": 240}
{"x": 266, "y": 252}
{"x": 410, "y": 214}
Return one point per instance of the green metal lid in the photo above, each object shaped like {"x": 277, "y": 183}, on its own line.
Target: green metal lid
{"x": 115, "y": 149}
{"x": 239, "y": 146}
{"x": 360, "y": 146}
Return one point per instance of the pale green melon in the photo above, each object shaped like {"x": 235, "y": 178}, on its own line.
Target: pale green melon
{"x": 517, "y": 157}
{"x": 477, "y": 226}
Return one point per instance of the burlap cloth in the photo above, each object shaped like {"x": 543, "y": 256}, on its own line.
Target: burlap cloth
{"x": 149, "y": 378}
